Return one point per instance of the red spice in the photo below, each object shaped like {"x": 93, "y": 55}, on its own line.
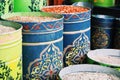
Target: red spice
{"x": 65, "y": 9}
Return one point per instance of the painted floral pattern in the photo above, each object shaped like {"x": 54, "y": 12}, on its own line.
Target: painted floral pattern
{"x": 75, "y": 53}
{"x": 47, "y": 66}
{"x": 5, "y": 71}
{"x": 100, "y": 39}
{"x": 6, "y": 6}
{"x": 42, "y": 26}
{"x": 37, "y": 4}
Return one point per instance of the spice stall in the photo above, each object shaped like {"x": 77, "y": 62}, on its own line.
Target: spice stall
{"x": 60, "y": 40}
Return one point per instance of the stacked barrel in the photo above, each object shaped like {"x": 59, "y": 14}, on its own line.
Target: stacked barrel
{"x": 55, "y": 37}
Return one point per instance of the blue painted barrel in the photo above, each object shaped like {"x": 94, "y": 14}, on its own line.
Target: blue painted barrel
{"x": 42, "y": 46}
{"x": 76, "y": 40}
{"x": 116, "y": 43}
{"x": 76, "y": 33}
{"x": 102, "y": 31}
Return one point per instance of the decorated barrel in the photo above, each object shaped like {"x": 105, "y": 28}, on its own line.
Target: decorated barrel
{"x": 42, "y": 44}
{"x": 116, "y": 43}
{"x": 6, "y": 6}
{"x": 76, "y": 32}
{"x": 28, "y": 5}
{"x": 102, "y": 31}
{"x": 104, "y": 3}
{"x": 10, "y": 51}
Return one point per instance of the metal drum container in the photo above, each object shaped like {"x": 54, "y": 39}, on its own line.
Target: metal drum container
{"x": 116, "y": 43}
{"x": 87, "y": 68}
{"x": 104, "y": 3}
{"x": 105, "y": 57}
{"x": 42, "y": 46}
{"x": 102, "y": 31}
{"x": 76, "y": 36}
{"x": 11, "y": 52}
{"x": 6, "y": 6}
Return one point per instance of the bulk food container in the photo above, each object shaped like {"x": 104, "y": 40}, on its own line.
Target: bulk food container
{"x": 11, "y": 52}
{"x": 42, "y": 43}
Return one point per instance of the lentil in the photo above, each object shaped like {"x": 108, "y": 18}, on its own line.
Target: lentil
{"x": 65, "y": 9}
{"x": 5, "y": 29}
{"x": 31, "y": 18}
{"x": 89, "y": 76}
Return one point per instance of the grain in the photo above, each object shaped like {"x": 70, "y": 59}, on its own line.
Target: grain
{"x": 107, "y": 59}
{"x": 31, "y": 18}
{"x": 5, "y": 29}
{"x": 65, "y": 9}
{"x": 89, "y": 76}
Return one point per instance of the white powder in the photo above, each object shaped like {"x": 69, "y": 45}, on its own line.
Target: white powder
{"x": 89, "y": 76}
{"x": 5, "y": 29}
{"x": 107, "y": 59}
{"x": 31, "y": 19}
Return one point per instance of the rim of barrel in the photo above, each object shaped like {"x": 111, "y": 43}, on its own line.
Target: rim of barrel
{"x": 11, "y": 24}
{"x": 118, "y": 19}
{"x": 89, "y": 68}
{"x": 43, "y": 14}
{"x": 89, "y": 9}
{"x": 102, "y": 16}
{"x": 89, "y": 5}
{"x": 90, "y": 53}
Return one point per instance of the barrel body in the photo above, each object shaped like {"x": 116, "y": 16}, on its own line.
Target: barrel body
{"x": 116, "y": 43}
{"x": 42, "y": 46}
{"x": 11, "y": 53}
{"x": 76, "y": 41}
{"x": 102, "y": 31}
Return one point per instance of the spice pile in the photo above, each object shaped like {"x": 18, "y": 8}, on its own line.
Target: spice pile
{"x": 107, "y": 59}
{"x": 31, "y": 18}
{"x": 65, "y": 9}
{"x": 89, "y": 76}
{"x": 5, "y": 29}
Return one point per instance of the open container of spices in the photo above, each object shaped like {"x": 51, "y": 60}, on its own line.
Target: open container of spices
{"x": 105, "y": 57}
{"x": 88, "y": 72}
{"x": 42, "y": 43}
{"x": 76, "y": 31}
{"x": 10, "y": 51}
